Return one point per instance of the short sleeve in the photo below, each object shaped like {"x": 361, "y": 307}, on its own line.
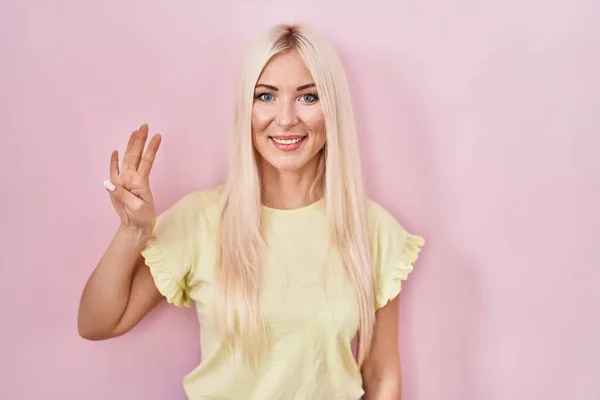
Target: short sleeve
{"x": 170, "y": 251}
{"x": 394, "y": 251}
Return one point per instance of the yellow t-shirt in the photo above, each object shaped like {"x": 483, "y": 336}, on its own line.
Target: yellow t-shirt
{"x": 309, "y": 301}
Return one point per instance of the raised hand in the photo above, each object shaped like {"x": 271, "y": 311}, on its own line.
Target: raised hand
{"x": 129, "y": 186}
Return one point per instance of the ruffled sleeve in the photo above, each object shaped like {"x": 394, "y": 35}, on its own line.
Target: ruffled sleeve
{"x": 395, "y": 251}
{"x": 170, "y": 252}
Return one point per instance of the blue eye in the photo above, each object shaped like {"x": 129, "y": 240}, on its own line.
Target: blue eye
{"x": 309, "y": 98}
{"x": 265, "y": 97}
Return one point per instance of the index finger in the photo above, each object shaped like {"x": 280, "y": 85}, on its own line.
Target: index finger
{"x": 114, "y": 165}
{"x": 149, "y": 156}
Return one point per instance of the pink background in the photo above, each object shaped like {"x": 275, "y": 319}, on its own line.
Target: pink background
{"x": 479, "y": 124}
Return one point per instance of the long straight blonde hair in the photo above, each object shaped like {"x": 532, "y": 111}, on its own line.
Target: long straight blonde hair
{"x": 242, "y": 247}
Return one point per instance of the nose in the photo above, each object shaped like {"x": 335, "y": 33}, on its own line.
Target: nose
{"x": 286, "y": 115}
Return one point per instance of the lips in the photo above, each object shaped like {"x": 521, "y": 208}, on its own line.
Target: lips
{"x": 288, "y": 143}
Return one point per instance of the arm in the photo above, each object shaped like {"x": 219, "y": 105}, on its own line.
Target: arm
{"x": 381, "y": 370}
{"x": 120, "y": 291}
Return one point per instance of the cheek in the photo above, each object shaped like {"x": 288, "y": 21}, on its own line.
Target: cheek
{"x": 260, "y": 119}
{"x": 314, "y": 120}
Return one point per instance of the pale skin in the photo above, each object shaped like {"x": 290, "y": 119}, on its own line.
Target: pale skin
{"x": 121, "y": 290}
{"x": 289, "y": 111}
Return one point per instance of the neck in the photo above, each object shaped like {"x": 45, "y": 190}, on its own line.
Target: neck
{"x": 287, "y": 190}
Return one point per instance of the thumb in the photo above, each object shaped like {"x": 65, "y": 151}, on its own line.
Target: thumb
{"x": 120, "y": 193}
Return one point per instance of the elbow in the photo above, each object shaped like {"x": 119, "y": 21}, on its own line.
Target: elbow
{"x": 90, "y": 331}
{"x": 92, "y": 335}
{"x": 379, "y": 382}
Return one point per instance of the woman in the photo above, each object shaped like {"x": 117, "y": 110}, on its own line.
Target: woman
{"x": 287, "y": 262}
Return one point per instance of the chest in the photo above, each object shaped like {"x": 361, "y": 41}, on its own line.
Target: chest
{"x": 305, "y": 286}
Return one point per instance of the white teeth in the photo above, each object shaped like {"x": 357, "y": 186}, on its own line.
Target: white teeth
{"x": 286, "y": 141}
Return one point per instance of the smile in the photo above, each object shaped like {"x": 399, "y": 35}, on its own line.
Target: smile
{"x": 287, "y": 141}
{"x": 288, "y": 144}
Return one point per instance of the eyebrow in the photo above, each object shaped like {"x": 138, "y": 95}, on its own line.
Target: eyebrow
{"x": 274, "y": 88}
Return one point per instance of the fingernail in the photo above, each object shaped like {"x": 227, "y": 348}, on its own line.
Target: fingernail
{"x": 109, "y": 186}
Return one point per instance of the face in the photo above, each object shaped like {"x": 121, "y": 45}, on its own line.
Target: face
{"x": 288, "y": 128}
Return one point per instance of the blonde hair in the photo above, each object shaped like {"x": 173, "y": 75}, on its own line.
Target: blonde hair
{"x": 242, "y": 248}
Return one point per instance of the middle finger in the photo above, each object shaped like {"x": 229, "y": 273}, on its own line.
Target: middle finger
{"x": 133, "y": 154}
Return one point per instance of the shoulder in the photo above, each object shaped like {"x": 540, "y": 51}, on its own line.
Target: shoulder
{"x": 191, "y": 215}
{"x": 378, "y": 216}
{"x": 386, "y": 230}
{"x": 382, "y": 224}
{"x": 201, "y": 202}
{"x": 394, "y": 251}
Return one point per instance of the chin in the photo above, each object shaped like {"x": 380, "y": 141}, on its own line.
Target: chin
{"x": 287, "y": 164}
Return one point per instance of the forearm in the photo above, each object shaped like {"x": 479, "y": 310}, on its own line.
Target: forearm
{"x": 106, "y": 293}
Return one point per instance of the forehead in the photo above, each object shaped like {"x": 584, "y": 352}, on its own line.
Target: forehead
{"x": 286, "y": 69}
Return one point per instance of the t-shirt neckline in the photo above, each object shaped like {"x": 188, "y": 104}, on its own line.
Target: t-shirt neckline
{"x": 302, "y": 209}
